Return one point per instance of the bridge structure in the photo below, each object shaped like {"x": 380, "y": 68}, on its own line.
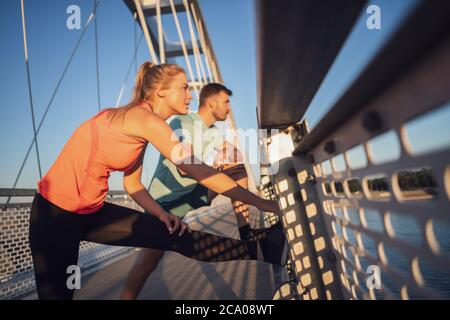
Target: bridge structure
{"x": 361, "y": 223}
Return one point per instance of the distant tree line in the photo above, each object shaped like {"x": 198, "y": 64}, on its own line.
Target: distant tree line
{"x": 409, "y": 180}
{"x": 378, "y": 184}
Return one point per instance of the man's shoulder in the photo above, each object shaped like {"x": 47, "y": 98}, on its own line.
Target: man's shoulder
{"x": 181, "y": 120}
{"x": 184, "y": 117}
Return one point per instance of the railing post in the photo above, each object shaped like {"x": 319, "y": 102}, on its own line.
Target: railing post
{"x": 311, "y": 254}
{"x": 320, "y": 236}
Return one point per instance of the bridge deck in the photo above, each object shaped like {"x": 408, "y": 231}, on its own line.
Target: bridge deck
{"x": 178, "y": 277}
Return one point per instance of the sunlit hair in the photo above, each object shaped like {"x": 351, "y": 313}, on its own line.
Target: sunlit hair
{"x": 149, "y": 79}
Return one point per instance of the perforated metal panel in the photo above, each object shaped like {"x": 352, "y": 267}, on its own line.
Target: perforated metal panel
{"x": 390, "y": 208}
{"x": 16, "y": 264}
{"x": 381, "y": 184}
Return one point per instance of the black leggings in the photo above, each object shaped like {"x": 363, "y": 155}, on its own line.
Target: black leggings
{"x": 55, "y": 235}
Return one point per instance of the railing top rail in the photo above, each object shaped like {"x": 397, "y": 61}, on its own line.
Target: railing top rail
{"x": 10, "y": 192}
{"x": 298, "y": 41}
{"x": 425, "y": 28}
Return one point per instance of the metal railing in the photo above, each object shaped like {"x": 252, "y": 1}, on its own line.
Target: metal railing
{"x": 16, "y": 263}
{"x": 358, "y": 194}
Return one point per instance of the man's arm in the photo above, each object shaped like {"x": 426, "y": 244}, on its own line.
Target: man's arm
{"x": 228, "y": 154}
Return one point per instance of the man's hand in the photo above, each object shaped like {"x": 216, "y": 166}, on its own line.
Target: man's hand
{"x": 173, "y": 223}
{"x": 181, "y": 172}
{"x": 229, "y": 155}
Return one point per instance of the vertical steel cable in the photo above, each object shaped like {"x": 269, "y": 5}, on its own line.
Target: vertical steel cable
{"x": 96, "y": 54}
{"x": 30, "y": 95}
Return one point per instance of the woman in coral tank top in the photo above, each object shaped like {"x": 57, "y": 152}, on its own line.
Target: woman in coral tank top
{"x": 70, "y": 204}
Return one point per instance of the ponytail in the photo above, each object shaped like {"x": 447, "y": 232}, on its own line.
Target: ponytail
{"x": 138, "y": 90}
{"x": 149, "y": 78}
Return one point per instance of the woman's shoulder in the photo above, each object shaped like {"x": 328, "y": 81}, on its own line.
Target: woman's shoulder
{"x": 142, "y": 114}
{"x": 142, "y": 119}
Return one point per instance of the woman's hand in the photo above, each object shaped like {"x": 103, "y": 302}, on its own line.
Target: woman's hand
{"x": 173, "y": 223}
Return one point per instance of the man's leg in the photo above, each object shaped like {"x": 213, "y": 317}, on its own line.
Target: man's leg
{"x": 148, "y": 259}
{"x": 241, "y": 211}
{"x": 238, "y": 173}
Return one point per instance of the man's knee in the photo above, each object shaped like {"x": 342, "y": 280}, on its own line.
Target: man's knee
{"x": 236, "y": 172}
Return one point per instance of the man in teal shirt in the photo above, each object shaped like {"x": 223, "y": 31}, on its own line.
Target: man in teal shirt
{"x": 177, "y": 193}
{"x": 169, "y": 186}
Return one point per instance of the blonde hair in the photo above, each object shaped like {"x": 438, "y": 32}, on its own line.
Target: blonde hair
{"x": 149, "y": 78}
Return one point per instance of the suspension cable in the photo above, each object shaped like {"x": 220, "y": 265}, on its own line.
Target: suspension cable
{"x": 183, "y": 46}
{"x": 96, "y": 55}
{"x": 194, "y": 45}
{"x": 133, "y": 59}
{"x": 144, "y": 26}
{"x": 30, "y": 95}
{"x": 135, "y": 39}
{"x": 162, "y": 54}
{"x": 202, "y": 42}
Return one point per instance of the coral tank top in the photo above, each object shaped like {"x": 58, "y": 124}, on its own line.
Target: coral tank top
{"x": 78, "y": 180}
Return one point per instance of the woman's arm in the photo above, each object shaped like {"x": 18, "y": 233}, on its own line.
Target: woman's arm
{"x": 159, "y": 133}
{"x": 134, "y": 187}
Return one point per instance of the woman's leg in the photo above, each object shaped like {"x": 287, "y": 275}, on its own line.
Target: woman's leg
{"x": 54, "y": 237}
{"x": 121, "y": 226}
{"x": 148, "y": 259}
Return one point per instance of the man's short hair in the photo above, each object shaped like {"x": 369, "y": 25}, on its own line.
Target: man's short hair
{"x": 212, "y": 89}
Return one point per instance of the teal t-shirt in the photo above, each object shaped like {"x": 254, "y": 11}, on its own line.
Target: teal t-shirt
{"x": 167, "y": 183}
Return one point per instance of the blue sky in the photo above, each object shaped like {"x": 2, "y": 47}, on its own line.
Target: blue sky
{"x": 231, "y": 27}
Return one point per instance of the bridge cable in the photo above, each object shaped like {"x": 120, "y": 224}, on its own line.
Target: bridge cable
{"x": 202, "y": 42}
{"x": 140, "y": 12}
{"x": 96, "y": 55}
{"x": 30, "y": 95}
{"x": 135, "y": 40}
{"x": 183, "y": 47}
{"x": 133, "y": 59}
{"x": 162, "y": 54}
{"x": 194, "y": 45}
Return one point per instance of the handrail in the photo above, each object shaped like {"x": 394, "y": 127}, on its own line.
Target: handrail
{"x": 298, "y": 40}
{"x": 425, "y": 28}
